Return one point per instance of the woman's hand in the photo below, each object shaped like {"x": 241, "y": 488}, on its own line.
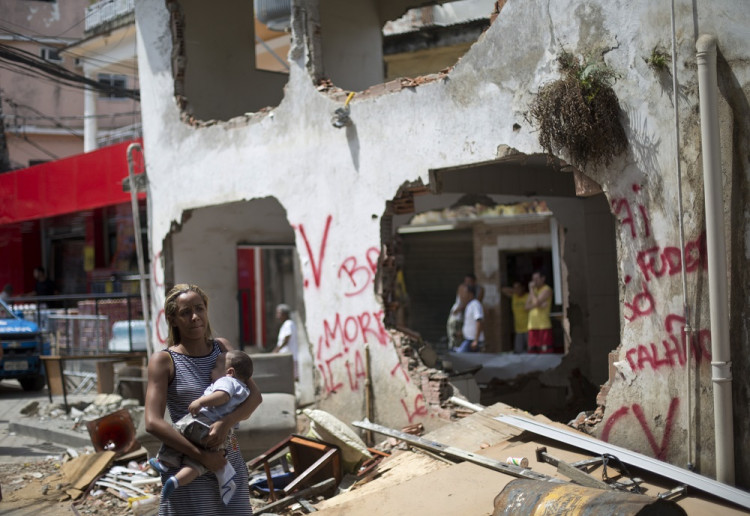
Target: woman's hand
{"x": 217, "y": 434}
{"x": 213, "y": 460}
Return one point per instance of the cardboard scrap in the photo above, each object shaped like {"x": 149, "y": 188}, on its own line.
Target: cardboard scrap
{"x": 82, "y": 471}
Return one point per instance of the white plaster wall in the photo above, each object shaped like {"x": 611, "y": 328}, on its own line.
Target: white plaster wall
{"x": 320, "y": 174}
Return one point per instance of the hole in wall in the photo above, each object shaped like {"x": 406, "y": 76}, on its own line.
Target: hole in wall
{"x": 502, "y": 222}
{"x": 226, "y": 62}
{"x": 365, "y": 42}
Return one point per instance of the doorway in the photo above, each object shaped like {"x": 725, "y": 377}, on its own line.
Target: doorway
{"x": 265, "y": 279}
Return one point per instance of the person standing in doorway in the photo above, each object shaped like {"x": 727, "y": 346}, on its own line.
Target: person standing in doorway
{"x": 7, "y": 292}
{"x": 473, "y": 321}
{"x": 539, "y": 304}
{"x": 287, "y": 339}
{"x": 43, "y": 286}
{"x": 518, "y": 297}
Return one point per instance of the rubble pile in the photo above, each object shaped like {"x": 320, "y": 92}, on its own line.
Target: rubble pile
{"x": 82, "y": 412}
{"x": 434, "y": 383}
{"x": 91, "y": 482}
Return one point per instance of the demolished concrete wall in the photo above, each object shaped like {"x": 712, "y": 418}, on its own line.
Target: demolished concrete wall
{"x": 333, "y": 184}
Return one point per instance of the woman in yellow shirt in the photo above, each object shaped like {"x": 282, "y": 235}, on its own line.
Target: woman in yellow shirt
{"x": 539, "y": 304}
{"x": 518, "y": 297}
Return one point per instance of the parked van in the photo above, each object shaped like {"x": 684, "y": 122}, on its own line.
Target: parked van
{"x": 22, "y": 344}
{"x": 123, "y": 331}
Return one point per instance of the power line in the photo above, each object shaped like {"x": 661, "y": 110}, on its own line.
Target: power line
{"x": 37, "y": 146}
{"x": 32, "y": 62}
{"x": 77, "y": 117}
{"x": 22, "y": 71}
{"x": 134, "y": 69}
{"x": 57, "y": 123}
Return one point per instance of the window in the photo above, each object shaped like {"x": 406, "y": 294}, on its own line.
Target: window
{"x": 51, "y": 54}
{"x": 118, "y": 83}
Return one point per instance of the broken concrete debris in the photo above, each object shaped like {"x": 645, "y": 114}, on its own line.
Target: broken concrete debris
{"x": 306, "y": 474}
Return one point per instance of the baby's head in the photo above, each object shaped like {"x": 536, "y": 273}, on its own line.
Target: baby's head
{"x": 234, "y": 363}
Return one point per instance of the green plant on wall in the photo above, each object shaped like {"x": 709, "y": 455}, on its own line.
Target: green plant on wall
{"x": 579, "y": 112}
{"x": 659, "y": 59}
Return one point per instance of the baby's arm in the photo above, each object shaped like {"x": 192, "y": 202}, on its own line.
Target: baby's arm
{"x": 220, "y": 428}
{"x": 214, "y": 399}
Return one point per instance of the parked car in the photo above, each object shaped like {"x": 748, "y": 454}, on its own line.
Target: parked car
{"x": 22, "y": 346}
{"x": 123, "y": 331}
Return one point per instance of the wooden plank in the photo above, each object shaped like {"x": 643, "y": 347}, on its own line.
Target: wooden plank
{"x": 105, "y": 377}
{"x": 53, "y": 370}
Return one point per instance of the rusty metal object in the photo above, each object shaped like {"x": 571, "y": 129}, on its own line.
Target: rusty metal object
{"x": 544, "y": 498}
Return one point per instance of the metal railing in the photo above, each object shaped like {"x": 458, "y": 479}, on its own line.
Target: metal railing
{"x": 80, "y": 323}
{"x": 105, "y": 11}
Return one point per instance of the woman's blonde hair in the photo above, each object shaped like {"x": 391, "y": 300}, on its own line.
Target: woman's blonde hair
{"x": 170, "y": 310}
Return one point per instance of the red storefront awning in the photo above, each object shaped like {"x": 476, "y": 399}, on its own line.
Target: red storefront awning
{"x": 80, "y": 182}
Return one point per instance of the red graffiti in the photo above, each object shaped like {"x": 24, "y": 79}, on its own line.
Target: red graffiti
{"x": 670, "y": 352}
{"x": 341, "y": 342}
{"x": 330, "y": 384}
{"x": 620, "y": 205}
{"x": 154, "y": 271}
{"x": 159, "y": 318}
{"x": 317, "y": 265}
{"x": 617, "y": 206}
{"x": 657, "y": 262}
{"x": 660, "y": 450}
{"x": 642, "y": 305}
{"x": 399, "y": 367}
{"x": 420, "y": 409}
{"x": 360, "y": 276}
{"x": 350, "y": 330}
{"x": 359, "y": 370}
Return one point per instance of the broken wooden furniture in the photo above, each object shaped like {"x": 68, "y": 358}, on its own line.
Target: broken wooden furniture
{"x": 313, "y": 462}
{"x": 54, "y": 367}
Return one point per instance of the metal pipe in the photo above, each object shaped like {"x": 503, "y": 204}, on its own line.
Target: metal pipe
{"x": 721, "y": 364}
{"x": 139, "y": 244}
{"x": 683, "y": 273}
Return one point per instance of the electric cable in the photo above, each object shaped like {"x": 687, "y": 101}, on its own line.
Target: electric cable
{"x": 89, "y": 57}
{"x": 31, "y": 61}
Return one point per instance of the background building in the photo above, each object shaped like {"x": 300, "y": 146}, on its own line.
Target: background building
{"x": 68, "y": 85}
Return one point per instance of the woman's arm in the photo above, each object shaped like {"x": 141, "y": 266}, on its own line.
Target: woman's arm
{"x": 159, "y": 371}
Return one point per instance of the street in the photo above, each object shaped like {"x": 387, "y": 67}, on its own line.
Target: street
{"x": 18, "y": 448}
{"x": 24, "y": 460}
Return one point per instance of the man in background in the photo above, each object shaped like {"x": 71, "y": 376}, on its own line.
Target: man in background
{"x": 287, "y": 339}
{"x": 473, "y": 333}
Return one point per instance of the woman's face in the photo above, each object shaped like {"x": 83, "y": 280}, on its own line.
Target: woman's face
{"x": 191, "y": 318}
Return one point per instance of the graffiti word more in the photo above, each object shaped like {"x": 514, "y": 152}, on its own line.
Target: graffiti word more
{"x": 341, "y": 343}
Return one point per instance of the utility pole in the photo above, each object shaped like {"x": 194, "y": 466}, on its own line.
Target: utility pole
{"x": 4, "y": 155}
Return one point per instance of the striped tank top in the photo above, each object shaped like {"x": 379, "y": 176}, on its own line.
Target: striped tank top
{"x": 191, "y": 377}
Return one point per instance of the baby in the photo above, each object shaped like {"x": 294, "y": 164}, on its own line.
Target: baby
{"x": 219, "y": 399}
